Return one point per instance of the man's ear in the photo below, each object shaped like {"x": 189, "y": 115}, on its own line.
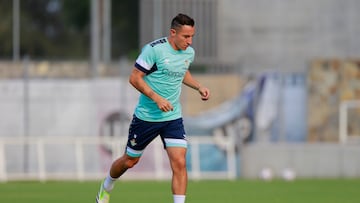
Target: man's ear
{"x": 172, "y": 32}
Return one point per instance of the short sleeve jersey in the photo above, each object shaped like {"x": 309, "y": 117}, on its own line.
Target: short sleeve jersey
{"x": 165, "y": 69}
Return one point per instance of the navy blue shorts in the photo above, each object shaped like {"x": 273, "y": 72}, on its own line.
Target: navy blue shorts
{"x": 141, "y": 133}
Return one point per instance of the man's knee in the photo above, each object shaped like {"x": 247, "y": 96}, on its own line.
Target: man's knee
{"x": 179, "y": 164}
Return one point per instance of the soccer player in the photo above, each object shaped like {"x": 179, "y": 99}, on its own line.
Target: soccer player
{"x": 160, "y": 70}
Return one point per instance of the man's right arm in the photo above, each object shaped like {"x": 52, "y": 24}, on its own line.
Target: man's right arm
{"x": 136, "y": 79}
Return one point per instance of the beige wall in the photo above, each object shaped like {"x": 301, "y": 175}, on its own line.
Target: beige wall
{"x": 222, "y": 87}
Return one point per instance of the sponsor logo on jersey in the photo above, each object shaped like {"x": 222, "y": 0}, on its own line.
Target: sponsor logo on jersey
{"x": 173, "y": 74}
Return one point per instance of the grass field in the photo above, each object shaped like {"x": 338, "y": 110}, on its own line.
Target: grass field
{"x": 247, "y": 191}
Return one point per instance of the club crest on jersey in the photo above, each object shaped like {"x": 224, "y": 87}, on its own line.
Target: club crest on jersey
{"x": 186, "y": 63}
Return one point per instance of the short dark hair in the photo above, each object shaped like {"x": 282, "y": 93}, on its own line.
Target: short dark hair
{"x": 180, "y": 20}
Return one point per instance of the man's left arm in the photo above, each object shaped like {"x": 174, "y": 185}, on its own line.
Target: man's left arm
{"x": 191, "y": 82}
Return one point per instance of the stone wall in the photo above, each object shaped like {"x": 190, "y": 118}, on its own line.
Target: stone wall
{"x": 331, "y": 82}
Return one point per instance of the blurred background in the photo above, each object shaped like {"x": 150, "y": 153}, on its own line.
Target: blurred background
{"x": 284, "y": 76}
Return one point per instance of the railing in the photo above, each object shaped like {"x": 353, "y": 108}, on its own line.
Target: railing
{"x": 82, "y": 158}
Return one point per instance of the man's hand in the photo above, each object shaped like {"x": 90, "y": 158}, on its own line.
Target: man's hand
{"x": 204, "y": 92}
{"x": 163, "y": 104}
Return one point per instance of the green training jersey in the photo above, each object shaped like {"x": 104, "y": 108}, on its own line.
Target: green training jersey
{"x": 165, "y": 69}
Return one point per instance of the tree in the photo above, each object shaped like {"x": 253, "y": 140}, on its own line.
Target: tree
{"x": 60, "y": 29}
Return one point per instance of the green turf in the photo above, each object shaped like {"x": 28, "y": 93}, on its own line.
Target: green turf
{"x": 247, "y": 191}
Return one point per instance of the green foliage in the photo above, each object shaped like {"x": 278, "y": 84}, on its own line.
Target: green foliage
{"x": 76, "y": 14}
{"x": 60, "y": 29}
{"x": 125, "y": 31}
{"x": 5, "y": 28}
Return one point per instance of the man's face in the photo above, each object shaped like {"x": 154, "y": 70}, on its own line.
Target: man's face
{"x": 182, "y": 36}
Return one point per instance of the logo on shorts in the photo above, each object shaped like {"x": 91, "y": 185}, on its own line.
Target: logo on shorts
{"x": 133, "y": 141}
